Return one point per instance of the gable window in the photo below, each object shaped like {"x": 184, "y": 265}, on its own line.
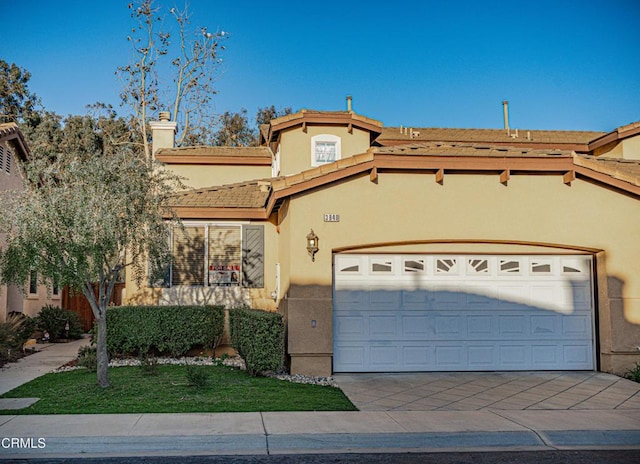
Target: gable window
{"x": 325, "y": 148}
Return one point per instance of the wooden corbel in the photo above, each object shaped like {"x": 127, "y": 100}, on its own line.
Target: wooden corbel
{"x": 569, "y": 177}
{"x": 505, "y": 176}
{"x": 440, "y": 176}
{"x": 373, "y": 175}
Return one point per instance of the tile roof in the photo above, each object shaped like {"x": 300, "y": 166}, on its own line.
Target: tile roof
{"x": 622, "y": 169}
{"x": 392, "y": 134}
{"x": 261, "y": 152}
{"x": 467, "y": 149}
{"x": 252, "y": 194}
{"x": 256, "y": 194}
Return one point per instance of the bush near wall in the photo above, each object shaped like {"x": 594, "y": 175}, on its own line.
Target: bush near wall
{"x": 166, "y": 329}
{"x": 258, "y": 336}
{"x": 55, "y": 321}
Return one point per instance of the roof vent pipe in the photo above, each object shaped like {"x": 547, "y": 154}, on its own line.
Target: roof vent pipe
{"x": 505, "y": 107}
{"x": 349, "y": 100}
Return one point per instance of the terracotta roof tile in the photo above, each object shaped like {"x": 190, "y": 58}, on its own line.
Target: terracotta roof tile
{"x": 622, "y": 169}
{"x": 390, "y": 134}
{"x": 253, "y": 194}
{"x": 262, "y": 152}
{"x": 466, "y": 149}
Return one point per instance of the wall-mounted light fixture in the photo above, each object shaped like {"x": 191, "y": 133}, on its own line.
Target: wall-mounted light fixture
{"x": 312, "y": 245}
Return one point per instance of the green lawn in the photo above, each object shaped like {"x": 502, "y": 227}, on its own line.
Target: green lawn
{"x": 133, "y": 391}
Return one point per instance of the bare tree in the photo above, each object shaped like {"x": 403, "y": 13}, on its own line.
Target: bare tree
{"x": 192, "y": 61}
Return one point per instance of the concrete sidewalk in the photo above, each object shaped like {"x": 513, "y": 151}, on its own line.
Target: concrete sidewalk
{"x": 271, "y": 433}
{"x": 49, "y": 357}
{"x": 314, "y": 432}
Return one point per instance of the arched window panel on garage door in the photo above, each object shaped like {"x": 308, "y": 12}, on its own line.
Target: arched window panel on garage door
{"x": 382, "y": 265}
{"x": 477, "y": 266}
{"x": 446, "y": 265}
{"x": 541, "y": 266}
{"x": 509, "y": 266}
{"x": 414, "y": 265}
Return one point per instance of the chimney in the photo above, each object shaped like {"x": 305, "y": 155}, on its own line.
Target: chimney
{"x": 349, "y": 100}
{"x": 163, "y": 132}
{"x": 505, "y": 107}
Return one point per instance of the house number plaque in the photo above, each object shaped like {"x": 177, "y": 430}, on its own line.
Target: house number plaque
{"x": 331, "y": 218}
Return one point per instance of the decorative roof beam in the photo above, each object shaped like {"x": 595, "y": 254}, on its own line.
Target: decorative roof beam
{"x": 505, "y": 176}
{"x": 569, "y": 177}
{"x": 373, "y": 175}
{"x": 440, "y": 176}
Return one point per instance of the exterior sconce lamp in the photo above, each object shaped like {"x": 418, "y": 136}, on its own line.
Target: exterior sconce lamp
{"x": 312, "y": 245}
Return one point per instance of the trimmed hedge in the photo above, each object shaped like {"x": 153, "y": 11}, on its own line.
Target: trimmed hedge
{"x": 258, "y": 336}
{"x": 166, "y": 329}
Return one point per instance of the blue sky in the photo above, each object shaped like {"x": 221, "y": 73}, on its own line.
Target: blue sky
{"x": 562, "y": 64}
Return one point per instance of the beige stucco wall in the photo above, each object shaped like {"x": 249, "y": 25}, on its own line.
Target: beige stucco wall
{"x": 413, "y": 207}
{"x": 295, "y": 146}
{"x": 627, "y": 149}
{"x": 14, "y": 297}
{"x": 199, "y": 176}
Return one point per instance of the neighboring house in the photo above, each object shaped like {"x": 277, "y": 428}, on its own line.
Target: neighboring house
{"x": 30, "y": 298}
{"x": 437, "y": 249}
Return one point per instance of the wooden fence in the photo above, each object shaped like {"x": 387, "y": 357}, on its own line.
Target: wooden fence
{"x": 78, "y": 303}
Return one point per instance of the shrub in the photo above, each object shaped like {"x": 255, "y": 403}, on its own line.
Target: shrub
{"x": 10, "y": 338}
{"x": 634, "y": 373}
{"x": 197, "y": 376}
{"x": 148, "y": 364}
{"x": 258, "y": 336}
{"x": 88, "y": 358}
{"x": 27, "y": 327}
{"x": 165, "y": 329}
{"x": 54, "y": 320}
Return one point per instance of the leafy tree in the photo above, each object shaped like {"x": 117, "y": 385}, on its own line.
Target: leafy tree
{"x": 234, "y": 130}
{"x": 91, "y": 208}
{"x": 17, "y": 102}
{"x": 266, "y": 114}
{"x": 191, "y": 61}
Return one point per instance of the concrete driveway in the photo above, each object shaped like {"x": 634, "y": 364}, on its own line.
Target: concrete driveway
{"x": 473, "y": 391}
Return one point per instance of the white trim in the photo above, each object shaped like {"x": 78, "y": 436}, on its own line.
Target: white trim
{"x": 275, "y": 164}
{"x": 325, "y": 138}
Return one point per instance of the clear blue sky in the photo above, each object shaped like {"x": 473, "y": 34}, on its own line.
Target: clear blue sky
{"x": 562, "y": 64}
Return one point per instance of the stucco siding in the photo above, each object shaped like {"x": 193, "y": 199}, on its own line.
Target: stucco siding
{"x": 537, "y": 209}
{"x": 295, "y": 146}
{"x": 200, "y": 176}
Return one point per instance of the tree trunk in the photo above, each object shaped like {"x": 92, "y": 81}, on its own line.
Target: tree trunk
{"x": 101, "y": 348}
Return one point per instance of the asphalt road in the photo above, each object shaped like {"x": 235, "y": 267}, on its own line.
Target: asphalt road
{"x": 519, "y": 457}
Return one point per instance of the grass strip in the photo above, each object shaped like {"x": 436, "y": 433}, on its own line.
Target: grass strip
{"x": 168, "y": 391}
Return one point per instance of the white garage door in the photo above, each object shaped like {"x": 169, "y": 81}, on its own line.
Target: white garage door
{"x": 462, "y": 313}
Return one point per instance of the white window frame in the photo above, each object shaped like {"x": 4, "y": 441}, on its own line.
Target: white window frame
{"x": 275, "y": 164}
{"x": 325, "y": 138}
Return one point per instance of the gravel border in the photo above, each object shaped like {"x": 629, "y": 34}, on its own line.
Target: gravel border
{"x": 234, "y": 361}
